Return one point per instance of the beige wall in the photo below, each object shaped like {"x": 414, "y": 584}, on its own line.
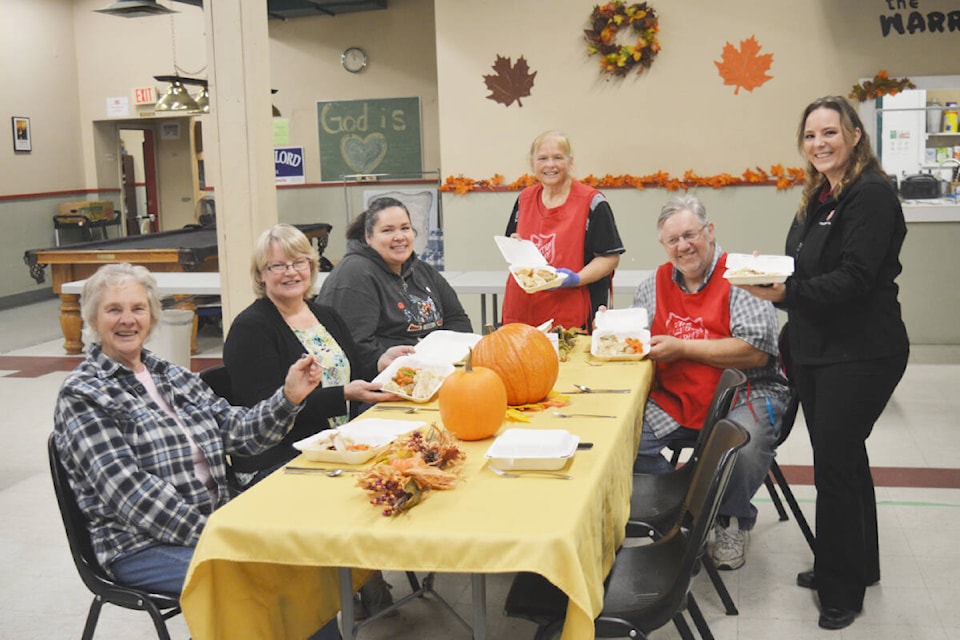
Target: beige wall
{"x": 675, "y": 117}
{"x": 678, "y": 115}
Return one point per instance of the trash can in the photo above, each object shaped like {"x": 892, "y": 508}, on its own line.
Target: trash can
{"x": 170, "y": 339}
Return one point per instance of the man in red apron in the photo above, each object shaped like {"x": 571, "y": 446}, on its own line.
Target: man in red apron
{"x": 701, "y": 326}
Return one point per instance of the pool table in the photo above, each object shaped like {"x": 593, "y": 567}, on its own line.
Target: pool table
{"x": 189, "y": 249}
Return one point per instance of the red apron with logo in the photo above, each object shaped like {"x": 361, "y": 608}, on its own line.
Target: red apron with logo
{"x": 559, "y": 235}
{"x": 685, "y": 388}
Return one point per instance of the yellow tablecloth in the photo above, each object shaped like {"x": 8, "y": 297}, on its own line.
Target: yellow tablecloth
{"x": 266, "y": 565}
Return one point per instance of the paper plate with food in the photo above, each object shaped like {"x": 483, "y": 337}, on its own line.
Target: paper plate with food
{"x": 528, "y": 266}
{"x": 355, "y": 442}
{"x": 620, "y": 334}
{"x": 414, "y": 378}
{"x": 745, "y": 268}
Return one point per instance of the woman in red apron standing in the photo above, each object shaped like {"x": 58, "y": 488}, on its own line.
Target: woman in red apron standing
{"x": 573, "y": 227}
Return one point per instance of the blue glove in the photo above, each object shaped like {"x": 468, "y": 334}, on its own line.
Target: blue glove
{"x": 572, "y": 279}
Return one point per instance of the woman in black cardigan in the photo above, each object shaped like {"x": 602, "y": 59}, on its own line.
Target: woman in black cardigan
{"x": 847, "y": 339}
{"x": 278, "y": 328}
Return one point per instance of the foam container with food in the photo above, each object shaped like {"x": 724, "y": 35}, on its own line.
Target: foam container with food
{"x": 355, "y": 442}
{"x": 532, "y": 449}
{"x": 746, "y": 268}
{"x": 446, "y": 346}
{"x": 433, "y": 373}
{"x": 616, "y": 332}
{"x": 528, "y": 266}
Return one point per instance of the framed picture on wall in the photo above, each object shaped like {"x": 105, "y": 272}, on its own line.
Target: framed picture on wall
{"x": 21, "y": 134}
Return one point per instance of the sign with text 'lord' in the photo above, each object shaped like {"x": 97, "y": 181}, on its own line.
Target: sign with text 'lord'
{"x": 288, "y": 165}
{"x": 377, "y": 136}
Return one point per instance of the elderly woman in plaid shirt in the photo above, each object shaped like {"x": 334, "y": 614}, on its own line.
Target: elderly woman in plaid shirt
{"x": 144, "y": 440}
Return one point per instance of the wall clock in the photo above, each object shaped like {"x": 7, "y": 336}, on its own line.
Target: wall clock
{"x": 353, "y": 59}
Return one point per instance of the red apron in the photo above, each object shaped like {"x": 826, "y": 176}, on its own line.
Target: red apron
{"x": 559, "y": 235}
{"x": 685, "y": 388}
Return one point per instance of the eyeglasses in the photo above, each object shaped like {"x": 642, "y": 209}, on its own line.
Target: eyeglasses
{"x": 688, "y": 237}
{"x": 281, "y": 267}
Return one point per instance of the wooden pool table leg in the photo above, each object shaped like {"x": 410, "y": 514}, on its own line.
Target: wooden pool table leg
{"x": 71, "y": 323}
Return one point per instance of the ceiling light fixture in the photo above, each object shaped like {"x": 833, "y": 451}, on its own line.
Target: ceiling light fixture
{"x": 135, "y": 9}
{"x": 203, "y": 98}
{"x": 176, "y": 98}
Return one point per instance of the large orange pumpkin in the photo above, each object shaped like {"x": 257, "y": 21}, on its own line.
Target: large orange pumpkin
{"x": 523, "y": 357}
{"x": 473, "y": 402}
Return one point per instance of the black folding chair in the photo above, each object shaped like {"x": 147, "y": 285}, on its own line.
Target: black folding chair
{"x": 649, "y": 585}
{"x": 656, "y": 500}
{"x": 775, "y": 477}
{"x": 160, "y": 606}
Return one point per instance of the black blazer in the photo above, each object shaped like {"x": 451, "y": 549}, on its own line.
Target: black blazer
{"x": 842, "y": 297}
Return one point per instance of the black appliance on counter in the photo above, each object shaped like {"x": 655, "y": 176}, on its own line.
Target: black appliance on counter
{"x": 922, "y": 186}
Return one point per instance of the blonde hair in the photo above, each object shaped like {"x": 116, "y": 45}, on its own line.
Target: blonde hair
{"x": 111, "y": 275}
{"x": 560, "y": 138}
{"x": 295, "y": 246}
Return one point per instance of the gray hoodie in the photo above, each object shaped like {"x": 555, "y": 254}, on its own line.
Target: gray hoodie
{"x": 383, "y": 309}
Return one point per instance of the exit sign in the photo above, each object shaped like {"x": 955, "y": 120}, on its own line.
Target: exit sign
{"x": 144, "y": 96}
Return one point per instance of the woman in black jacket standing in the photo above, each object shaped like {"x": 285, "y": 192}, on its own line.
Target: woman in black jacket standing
{"x": 847, "y": 339}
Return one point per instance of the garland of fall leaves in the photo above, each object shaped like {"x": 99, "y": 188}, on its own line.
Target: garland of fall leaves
{"x": 881, "y": 85}
{"x": 785, "y": 178}
{"x": 606, "y": 20}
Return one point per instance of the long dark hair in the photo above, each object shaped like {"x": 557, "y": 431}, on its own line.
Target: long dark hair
{"x": 363, "y": 224}
{"x": 862, "y": 158}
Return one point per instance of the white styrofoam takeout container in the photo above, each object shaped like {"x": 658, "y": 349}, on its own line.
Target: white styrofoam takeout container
{"x": 441, "y": 368}
{"x": 375, "y": 432}
{"x": 622, "y": 324}
{"x": 774, "y": 269}
{"x": 521, "y": 254}
{"x": 532, "y": 449}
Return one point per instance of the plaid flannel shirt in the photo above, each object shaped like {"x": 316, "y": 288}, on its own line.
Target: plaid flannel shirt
{"x": 130, "y": 464}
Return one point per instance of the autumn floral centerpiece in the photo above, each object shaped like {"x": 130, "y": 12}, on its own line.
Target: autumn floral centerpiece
{"x": 423, "y": 460}
{"x": 605, "y": 23}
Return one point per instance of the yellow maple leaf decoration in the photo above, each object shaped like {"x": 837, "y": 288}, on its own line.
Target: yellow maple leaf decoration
{"x": 745, "y": 68}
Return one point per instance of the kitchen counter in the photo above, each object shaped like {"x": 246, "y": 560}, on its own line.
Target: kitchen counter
{"x": 932, "y": 210}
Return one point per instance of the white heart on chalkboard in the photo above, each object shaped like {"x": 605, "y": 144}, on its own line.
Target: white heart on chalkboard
{"x": 363, "y": 155}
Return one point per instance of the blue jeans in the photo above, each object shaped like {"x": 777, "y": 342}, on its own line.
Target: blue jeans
{"x": 753, "y": 462}
{"x": 160, "y": 568}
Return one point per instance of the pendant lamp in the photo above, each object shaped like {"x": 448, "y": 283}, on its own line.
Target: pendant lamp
{"x": 135, "y": 9}
{"x": 176, "y": 98}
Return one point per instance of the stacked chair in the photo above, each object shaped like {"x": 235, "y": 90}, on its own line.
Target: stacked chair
{"x": 656, "y": 500}
{"x": 649, "y": 585}
{"x": 160, "y": 606}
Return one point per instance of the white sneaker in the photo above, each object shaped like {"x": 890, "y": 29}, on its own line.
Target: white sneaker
{"x": 730, "y": 545}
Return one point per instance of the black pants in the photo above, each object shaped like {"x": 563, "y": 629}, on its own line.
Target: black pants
{"x": 841, "y": 403}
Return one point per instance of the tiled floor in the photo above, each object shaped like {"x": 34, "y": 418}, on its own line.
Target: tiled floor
{"x": 915, "y": 449}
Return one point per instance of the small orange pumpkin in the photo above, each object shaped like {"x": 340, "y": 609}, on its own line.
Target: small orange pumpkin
{"x": 473, "y": 402}
{"x": 523, "y": 357}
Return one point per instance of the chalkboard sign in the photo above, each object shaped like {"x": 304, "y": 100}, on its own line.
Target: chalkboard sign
{"x": 368, "y": 136}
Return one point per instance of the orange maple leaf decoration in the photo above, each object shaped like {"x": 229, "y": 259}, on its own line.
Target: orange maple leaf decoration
{"x": 744, "y": 68}
{"x": 511, "y": 82}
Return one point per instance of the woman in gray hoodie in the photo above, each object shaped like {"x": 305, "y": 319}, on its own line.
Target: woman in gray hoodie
{"x": 386, "y": 294}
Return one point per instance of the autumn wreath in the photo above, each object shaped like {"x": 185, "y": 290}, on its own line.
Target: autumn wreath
{"x": 607, "y": 20}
